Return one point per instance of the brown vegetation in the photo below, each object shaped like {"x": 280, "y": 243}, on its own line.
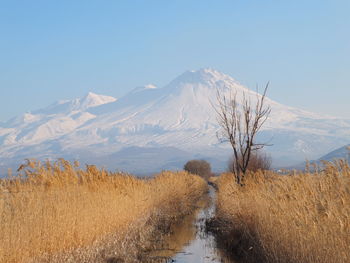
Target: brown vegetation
{"x": 258, "y": 161}
{"x": 301, "y": 217}
{"x": 60, "y": 213}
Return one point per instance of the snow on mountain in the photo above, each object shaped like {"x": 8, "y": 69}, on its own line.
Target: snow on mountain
{"x": 177, "y": 116}
{"x": 90, "y": 100}
{"x": 143, "y": 88}
{"x": 56, "y": 120}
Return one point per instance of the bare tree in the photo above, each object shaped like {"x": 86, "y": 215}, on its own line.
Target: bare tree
{"x": 240, "y": 122}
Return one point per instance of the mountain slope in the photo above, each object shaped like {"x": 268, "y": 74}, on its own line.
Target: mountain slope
{"x": 54, "y": 121}
{"x": 340, "y": 153}
{"x": 179, "y": 115}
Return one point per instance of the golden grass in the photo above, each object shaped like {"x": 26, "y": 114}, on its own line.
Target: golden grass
{"x": 58, "y": 208}
{"x": 301, "y": 217}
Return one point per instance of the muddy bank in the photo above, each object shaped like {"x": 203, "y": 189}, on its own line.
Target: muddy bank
{"x": 233, "y": 243}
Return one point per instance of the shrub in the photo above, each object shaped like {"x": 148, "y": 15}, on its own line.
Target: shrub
{"x": 258, "y": 161}
{"x": 199, "y": 167}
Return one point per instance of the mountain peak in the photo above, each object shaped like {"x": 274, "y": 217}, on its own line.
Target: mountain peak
{"x": 209, "y": 71}
{"x": 204, "y": 76}
{"x": 92, "y": 100}
{"x": 91, "y": 95}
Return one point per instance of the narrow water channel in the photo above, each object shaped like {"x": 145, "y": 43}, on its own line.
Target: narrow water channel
{"x": 190, "y": 242}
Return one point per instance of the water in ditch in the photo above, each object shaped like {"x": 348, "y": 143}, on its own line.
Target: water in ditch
{"x": 190, "y": 242}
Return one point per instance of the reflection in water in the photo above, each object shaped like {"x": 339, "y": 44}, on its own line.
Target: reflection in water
{"x": 189, "y": 242}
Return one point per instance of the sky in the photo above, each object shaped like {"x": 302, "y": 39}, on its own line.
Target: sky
{"x": 55, "y": 50}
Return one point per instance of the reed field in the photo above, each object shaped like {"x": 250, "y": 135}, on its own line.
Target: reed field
{"x": 298, "y": 217}
{"x": 58, "y": 212}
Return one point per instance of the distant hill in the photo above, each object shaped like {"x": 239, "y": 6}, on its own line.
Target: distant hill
{"x": 340, "y": 153}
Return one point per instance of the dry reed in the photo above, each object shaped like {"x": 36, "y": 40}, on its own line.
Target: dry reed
{"x": 57, "y": 209}
{"x": 300, "y": 217}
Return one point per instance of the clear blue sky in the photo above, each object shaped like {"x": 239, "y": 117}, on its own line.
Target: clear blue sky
{"x": 53, "y": 50}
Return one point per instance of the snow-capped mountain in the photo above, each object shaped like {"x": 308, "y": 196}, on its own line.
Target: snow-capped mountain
{"x": 178, "y": 117}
